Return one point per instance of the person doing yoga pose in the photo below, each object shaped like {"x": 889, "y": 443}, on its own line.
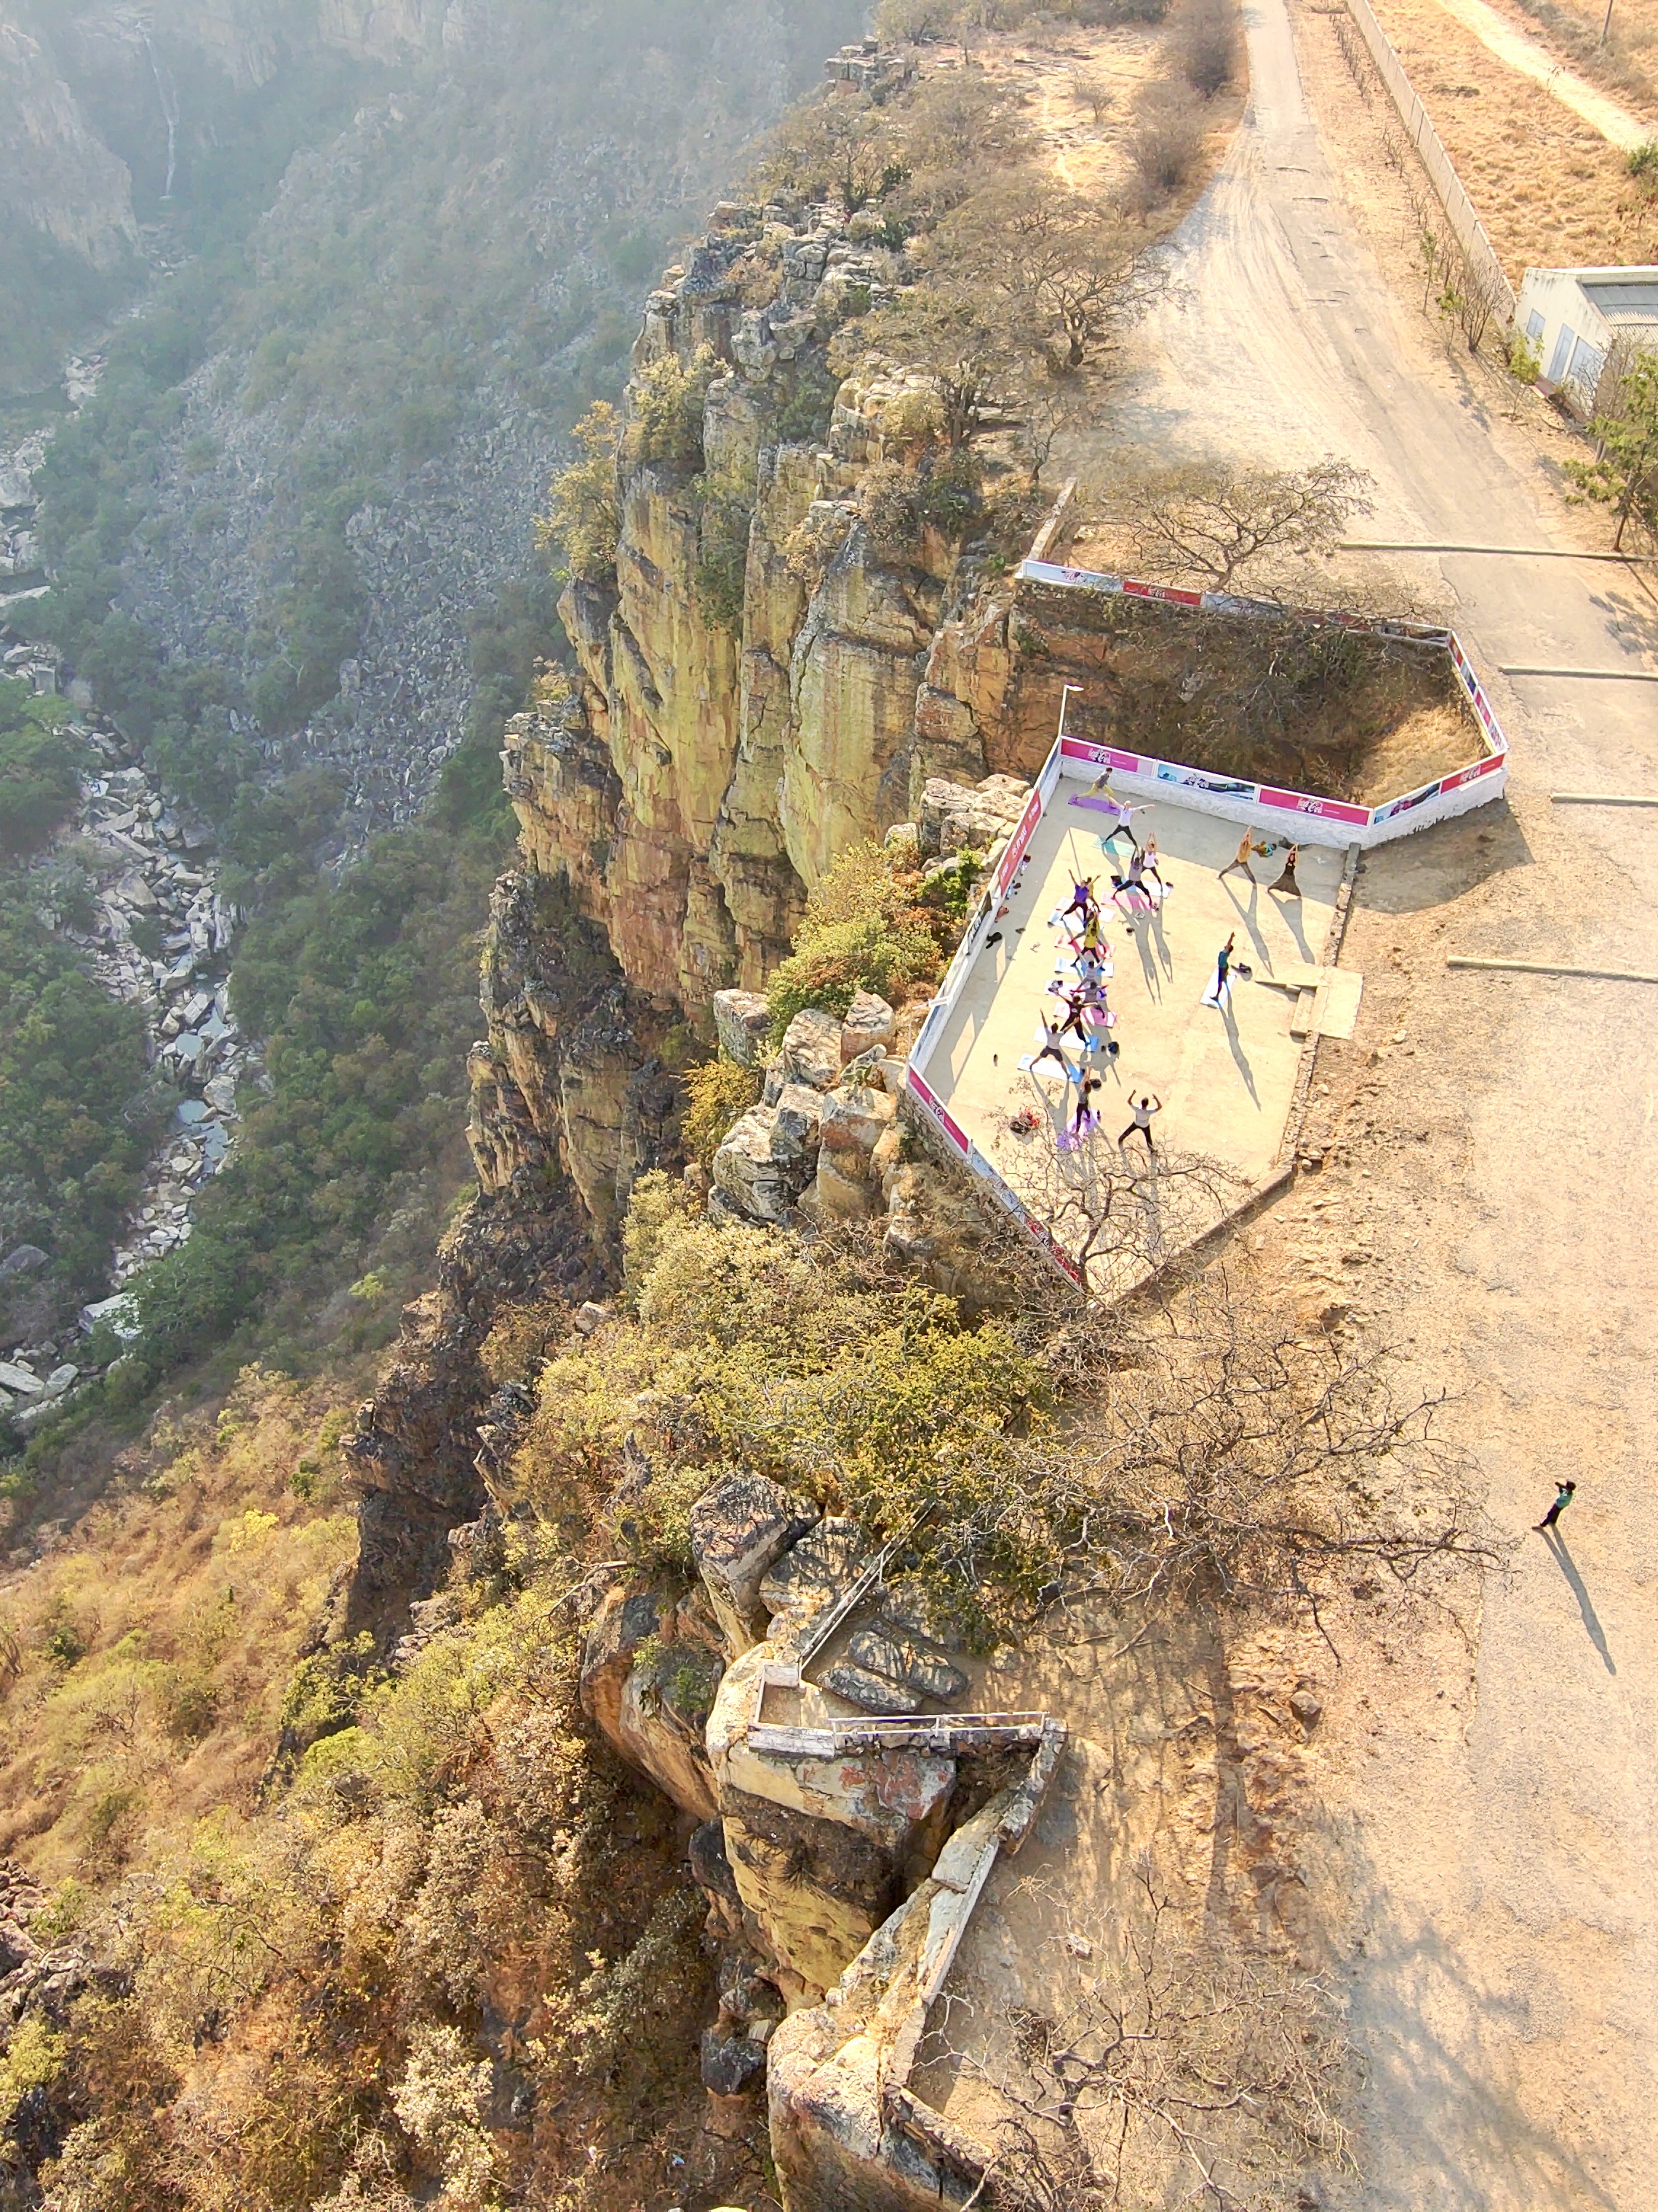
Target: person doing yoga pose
{"x": 1142, "y": 1109}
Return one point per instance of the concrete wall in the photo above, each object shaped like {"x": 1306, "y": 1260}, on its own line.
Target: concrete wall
{"x": 1469, "y": 231}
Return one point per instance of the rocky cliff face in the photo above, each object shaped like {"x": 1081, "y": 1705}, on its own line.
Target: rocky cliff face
{"x": 745, "y": 751}
{"x": 56, "y": 176}
{"x": 725, "y": 746}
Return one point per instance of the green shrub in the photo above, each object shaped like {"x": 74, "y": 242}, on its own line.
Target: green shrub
{"x": 657, "y": 1204}
{"x": 668, "y": 397}
{"x": 722, "y": 549}
{"x": 844, "y": 957}
{"x": 952, "y": 492}
{"x": 806, "y": 403}
{"x": 583, "y": 519}
{"x": 716, "y": 1094}
{"x": 40, "y": 767}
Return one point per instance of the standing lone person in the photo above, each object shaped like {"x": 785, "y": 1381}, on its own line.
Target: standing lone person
{"x": 1240, "y": 860}
{"x": 1562, "y": 1499}
{"x": 1286, "y": 883}
{"x": 1215, "y": 994}
{"x": 1142, "y": 1109}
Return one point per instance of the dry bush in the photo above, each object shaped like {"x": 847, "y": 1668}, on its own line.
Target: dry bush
{"x": 1166, "y": 141}
{"x": 1204, "y": 35}
{"x": 129, "y": 1712}
{"x": 1095, "y": 93}
{"x": 716, "y": 1093}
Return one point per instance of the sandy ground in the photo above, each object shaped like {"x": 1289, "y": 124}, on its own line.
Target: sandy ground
{"x": 1225, "y": 1076}
{"x": 1485, "y": 1784}
{"x": 1090, "y": 154}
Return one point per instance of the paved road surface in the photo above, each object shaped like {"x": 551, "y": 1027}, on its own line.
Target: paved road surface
{"x": 1500, "y": 1870}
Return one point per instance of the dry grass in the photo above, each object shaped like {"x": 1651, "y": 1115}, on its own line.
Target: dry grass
{"x": 1092, "y": 156}
{"x": 1626, "y": 64}
{"x": 143, "y": 1662}
{"x": 1551, "y": 191}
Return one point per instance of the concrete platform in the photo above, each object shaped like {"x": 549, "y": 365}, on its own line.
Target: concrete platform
{"x": 1226, "y": 1076}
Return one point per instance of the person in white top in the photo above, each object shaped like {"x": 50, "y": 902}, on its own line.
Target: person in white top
{"x": 1051, "y": 1050}
{"x": 1142, "y": 1109}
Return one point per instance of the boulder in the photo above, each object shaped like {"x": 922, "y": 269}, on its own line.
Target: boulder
{"x": 853, "y": 1122}
{"x": 902, "y": 1659}
{"x": 815, "y": 1569}
{"x": 21, "y": 1381}
{"x": 839, "y": 1191}
{"x": 739, "y": 1529}
{"x": 873, "y": 1693}
{"x": 21, "y": 1261}
{"x": 758, "y": 1173}
{"x": 887, "y": 1157}
{"x": 955, "y": 817}
{"x": 870, "y": 1026}
{"x": 818, "y": 1890}
{"x": 133, "y": 891}
{"x": 653, "y": 1715}
{"x": 812, "y": 1050}
{"x": 731, "y": 2064}
{"x": 742, "y": 1021}
{"x": 796, "y": 1120}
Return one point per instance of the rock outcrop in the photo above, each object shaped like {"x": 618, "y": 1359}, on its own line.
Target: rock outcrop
{"x": 721, "y": 756}
{"x": 56, "y": 176}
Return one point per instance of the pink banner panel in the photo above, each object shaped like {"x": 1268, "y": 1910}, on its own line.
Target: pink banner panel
{"x": 1104, "y": 756}
{"x": 1166, "y": 593}
{"x": 1328, "y": 810}
{"x": 1462, "y": 775}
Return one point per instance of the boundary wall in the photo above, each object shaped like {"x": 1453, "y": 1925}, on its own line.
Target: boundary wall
{"x": 1289, "y": 813}
{"x": 1470, "y": 232}
{"x": 1315, "y": 821}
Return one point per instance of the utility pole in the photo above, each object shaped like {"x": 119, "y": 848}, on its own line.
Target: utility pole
{"x": 1604, "y": 27}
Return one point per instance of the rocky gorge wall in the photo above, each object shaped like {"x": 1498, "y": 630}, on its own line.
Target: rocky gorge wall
{"x": 723, "y": 749}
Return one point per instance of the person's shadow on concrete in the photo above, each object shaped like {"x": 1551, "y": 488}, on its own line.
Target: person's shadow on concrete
{"x": 1568, "y": 1566}
{"x": 1223, "y": 1004}
{"x": 1291, "y": 910}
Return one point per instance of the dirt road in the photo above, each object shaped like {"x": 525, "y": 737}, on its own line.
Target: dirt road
{"x": 1487, "y": 1203}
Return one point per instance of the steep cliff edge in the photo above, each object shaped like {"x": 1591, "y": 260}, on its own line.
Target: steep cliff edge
{"x": 728, "y": 745}
{"x": 798, "y": 631}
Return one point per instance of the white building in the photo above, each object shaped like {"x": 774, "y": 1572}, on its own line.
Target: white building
{"x": 1574, "y": 317}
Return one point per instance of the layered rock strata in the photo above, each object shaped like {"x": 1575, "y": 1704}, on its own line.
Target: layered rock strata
{"x": 721, "y": 756}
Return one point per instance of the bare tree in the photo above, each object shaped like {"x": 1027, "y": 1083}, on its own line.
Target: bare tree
{"x": 1120, "y": 1214}
{"x": 1178, "y": 2069}
{"x": 1049, "y": 409}
{"x": 843, "y": 146}
{"x": 1073, "y": 276}
{"x": 1468, "y": 295}
{"x": 1211, "y": 520}
{"x": 1245, "y": 1462}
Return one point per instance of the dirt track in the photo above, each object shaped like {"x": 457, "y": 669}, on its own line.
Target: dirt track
{"x": 1486, "y": 1203}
